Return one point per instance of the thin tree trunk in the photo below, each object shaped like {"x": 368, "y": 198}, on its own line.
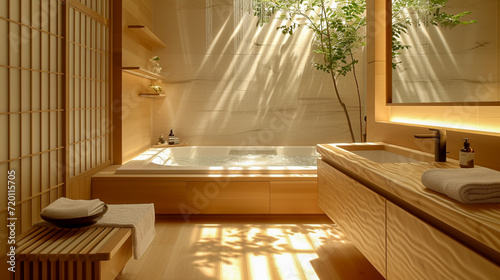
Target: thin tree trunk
{"x": 339, "y": 98}
{"x": 343, "y": 106}
{"x": 359, "y": 101}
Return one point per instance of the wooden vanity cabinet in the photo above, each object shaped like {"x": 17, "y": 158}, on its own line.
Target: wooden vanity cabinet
{"x": 358, "y": 210}
{"x": 416, "y": 250}
{"x": 398, "y": 244}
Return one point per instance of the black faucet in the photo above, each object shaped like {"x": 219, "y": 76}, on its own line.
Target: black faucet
{"x": 440, "y": 143}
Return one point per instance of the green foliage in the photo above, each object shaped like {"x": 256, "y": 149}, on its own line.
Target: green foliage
{"x": 337, "y": 30}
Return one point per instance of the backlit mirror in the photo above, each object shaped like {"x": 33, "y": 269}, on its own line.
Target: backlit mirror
{"x": 445, "y": 51}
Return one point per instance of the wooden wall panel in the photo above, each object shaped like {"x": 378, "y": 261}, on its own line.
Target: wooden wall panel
{"x": 228, "y": 198}
{"x": 415, "y": 250}
{"x": 359, "y": 211}
{"x": 135, "y": 115}
{"x": 294, "y": 197}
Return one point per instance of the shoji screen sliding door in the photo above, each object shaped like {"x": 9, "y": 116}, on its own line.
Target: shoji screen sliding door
{"x": 88, "y": 86}
{"x": 54, "y": 102}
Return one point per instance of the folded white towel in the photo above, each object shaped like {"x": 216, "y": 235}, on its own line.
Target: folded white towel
{"x": 65, "y": 208}
{"x": 467, "y": 185}
{"x": 139, "y": 217}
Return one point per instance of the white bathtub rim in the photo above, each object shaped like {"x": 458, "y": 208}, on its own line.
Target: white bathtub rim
{"x": 142, "y": 165}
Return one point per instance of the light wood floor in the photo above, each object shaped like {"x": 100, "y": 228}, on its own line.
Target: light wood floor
{"x": 249, "y": 247}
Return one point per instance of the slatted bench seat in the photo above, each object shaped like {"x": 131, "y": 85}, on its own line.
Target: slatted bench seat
{"x": 83, "y": 253}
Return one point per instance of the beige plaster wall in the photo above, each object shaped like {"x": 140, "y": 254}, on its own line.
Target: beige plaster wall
{"x": 229, "y": 82}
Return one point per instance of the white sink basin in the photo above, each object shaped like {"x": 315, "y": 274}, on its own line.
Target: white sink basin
{"x": 383, "y": 153}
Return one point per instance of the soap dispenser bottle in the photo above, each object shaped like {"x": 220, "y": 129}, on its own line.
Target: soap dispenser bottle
{"x": 171, "y": 140}
{"x": 466, "y": 157}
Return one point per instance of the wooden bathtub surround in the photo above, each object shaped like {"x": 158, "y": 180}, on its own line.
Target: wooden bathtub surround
{"x": 211, "y": 194}
{"x": 404, "y": 229}
{"x": 84, "y": 253}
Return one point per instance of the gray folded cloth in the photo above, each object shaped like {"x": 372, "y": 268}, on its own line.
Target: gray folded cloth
{"x": 467, "y": 185}
{"x": 65, "y": 208}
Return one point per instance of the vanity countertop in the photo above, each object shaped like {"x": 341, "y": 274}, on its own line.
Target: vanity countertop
{"x": 476, "y": 225}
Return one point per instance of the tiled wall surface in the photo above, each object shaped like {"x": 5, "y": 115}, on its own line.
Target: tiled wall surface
{"x": 230, "y": 82}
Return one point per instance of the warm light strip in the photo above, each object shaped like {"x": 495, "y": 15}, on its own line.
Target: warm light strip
{"x": 439, "y": 123}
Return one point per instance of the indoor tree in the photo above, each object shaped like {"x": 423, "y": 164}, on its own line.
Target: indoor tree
{"x": 338, "y": 27}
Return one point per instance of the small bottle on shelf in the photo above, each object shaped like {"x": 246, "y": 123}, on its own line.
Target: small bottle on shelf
{"x": 171, "y": 140}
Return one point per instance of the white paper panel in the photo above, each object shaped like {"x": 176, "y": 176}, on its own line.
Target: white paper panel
{"x": 25, "y": 47}
{"x": 4, "y": 90}
{"x": 44, "y": 130}
{"x": 44, "y": 88}
{"x": 36, "y": 133}
{"x": 25, "y": 176}
{"x": 4, "y": 43}
{"x": 25, "y": 11}
{"x": 4, "y": 139}
{"x": 35, "y": 91}
{"x": 53, "y": 130}
{"x": 4, "y": 10}
{"x": 45, "y": 16}
{"x": 26, "y": 90}
{"x": 26, "y": 134}
{"x": 45, "y": 183}
{"x": 53, "y": 93}
{"x": 14, "y": 44}
{"x": 54, "y": 57}
{"x": 14, "y": 10}
{"x": 53, "y": 16}
{"x": 36, "y": 174}
{"x": 15, "y": 87}
{"x": 36, "y": 13}
{"x": 45, "y": 51}
{"x": 35, "y": 45}
{"x": 4, "y": 168}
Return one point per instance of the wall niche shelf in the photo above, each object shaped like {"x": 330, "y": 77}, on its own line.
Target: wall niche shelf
{"x": 152, "y": 95}
{"x": 141, "y": 72}
{"x": 147, "y": 35}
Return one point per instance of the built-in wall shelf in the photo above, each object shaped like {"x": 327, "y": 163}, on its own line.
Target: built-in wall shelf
{"x": 147, "y": 35}
{"x": 152, "y": 95}
{"x": 141, "y": 72}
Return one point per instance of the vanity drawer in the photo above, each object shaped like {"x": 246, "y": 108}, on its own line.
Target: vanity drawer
{"x": 416, "y": 250}
{"x": 359, "y": 211}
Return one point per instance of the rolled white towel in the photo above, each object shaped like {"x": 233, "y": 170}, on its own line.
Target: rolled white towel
{"x": 471, "y": 185}
{"x": 65, "y": 208}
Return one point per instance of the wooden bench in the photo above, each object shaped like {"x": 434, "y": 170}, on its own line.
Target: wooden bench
{"x": 83, "y": 253}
